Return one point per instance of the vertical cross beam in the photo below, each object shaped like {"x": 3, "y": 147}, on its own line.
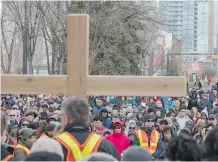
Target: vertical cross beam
{"x": 78, "y": 51}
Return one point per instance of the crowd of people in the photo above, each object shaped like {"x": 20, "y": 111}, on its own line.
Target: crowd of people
{"x": 111, "y": 128}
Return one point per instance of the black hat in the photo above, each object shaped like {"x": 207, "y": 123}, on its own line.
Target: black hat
{"x": 44, "y": 156}
{"x": 148, "y": 117}
{"x": 50, "y": 127}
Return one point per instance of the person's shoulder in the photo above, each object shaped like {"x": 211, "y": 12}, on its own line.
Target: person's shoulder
{"x": 106, "y": 145}
{"x": 20, "y": 151}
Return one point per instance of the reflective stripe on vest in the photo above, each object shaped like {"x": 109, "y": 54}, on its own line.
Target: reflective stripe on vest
{"x": 143, "y": 140}
{"x": 26, "y": 149}
{"x": 77, "y": 151}
{"x": 7, "y": 158}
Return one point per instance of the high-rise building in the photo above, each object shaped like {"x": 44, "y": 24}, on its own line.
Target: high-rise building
{"x": 203, "y": 24}
{"x": 181, "y": 19}
{"x": 216, "y": 26}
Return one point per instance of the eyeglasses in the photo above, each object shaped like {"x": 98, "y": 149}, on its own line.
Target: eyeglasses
{"x": 131, "y": 127}
{"x": 150, "y": 121}
{"x": 25, "y": 125}
{"x": 211, "y": 119}
{"x": 12, "y": 115}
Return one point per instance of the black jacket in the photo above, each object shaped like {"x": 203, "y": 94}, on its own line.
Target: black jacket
{"x": 5, "y": 153}
{"x": 81, "y": 133}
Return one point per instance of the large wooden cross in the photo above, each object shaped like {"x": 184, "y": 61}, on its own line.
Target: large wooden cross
{"x": 78, "y": 82}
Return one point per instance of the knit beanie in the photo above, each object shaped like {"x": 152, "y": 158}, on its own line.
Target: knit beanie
{"x": 136, "y": 153}
{"x": 44, "y": 156}
{"x": 129, "y": 109}
{"x": 99, "y": 156}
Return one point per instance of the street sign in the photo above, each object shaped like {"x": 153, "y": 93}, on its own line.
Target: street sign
{"x": 215, "y": 57}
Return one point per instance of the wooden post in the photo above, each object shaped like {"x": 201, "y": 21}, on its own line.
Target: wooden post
{"x": 77, "y": 82}
{"x": 78, "y": 51}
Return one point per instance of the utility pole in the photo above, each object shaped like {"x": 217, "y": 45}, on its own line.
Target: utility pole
{"x": 25, "y": 39}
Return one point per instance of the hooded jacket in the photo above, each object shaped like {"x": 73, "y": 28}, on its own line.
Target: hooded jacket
{"x": 120, "y": 140}
{"x": 127, "y": 127}
{"x": 106, "y": 122}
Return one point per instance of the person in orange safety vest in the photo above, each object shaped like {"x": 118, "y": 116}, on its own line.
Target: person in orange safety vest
{"x": 149, "y": 138}
{"x": 74, "y": 135}
{"x": 26, "y": 138}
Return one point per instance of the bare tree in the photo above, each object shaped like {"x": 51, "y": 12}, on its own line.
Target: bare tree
{"x": 8, "y": 43}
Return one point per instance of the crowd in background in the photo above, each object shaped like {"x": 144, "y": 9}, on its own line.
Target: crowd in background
{"x": 138, "y": 128}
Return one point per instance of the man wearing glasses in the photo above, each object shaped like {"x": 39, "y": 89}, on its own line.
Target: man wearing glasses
{"x": 13, "y": 117}
{"x": 148, "y": 138}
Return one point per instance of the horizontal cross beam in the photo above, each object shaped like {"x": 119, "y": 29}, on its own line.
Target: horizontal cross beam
{"x": 96, "y": 85}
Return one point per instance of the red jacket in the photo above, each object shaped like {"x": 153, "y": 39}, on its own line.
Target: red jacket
{"x": 120, "y": 140}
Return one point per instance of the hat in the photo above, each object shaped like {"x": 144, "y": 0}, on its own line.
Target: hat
{"x": 44, "y": 156}
{"x": 201, "y": 123}
{"x": 32, "y": 111}
{"x": 112, "y": 100}
{"x": 188, "y": 112}
{"x": 212, "y": 116}
{"x": 150, "y": 110}
{"x": 26, "y": 133}
{"x": 15, "y": 107}
{"x": 205, "y": 112}
{"x": 99, "y": 100}
{"x": 136, "y": 153}
{"x": 50, "y": 127}
{"x": 139, "y": 123}
{"x": 148, "y": 117}
{"x": 130, "y": 115}
{"x": 107, "y": 131}
{"x": 129, "y": 109}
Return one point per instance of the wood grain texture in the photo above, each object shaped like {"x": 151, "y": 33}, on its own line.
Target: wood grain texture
{"x": 136, "y": 85}
{"x": 78, "y": 51}
{"x": 29, "y": 84}
{"x": 97, "y": 85}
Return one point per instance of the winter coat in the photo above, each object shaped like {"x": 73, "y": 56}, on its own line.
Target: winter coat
{"x": 81, "y": 133}
{"x": 205, "y": 103}
{"x": 15, "y": 123}
{"x": 20, "y": 155}
{"x": 96, "y": 109}
{"x": 5, "y": 153}
{"x": 159, "y": 150}
{"x": 120, "y": 140}
{"x": 106, "y": 122}
{"x": 212, "y": 98}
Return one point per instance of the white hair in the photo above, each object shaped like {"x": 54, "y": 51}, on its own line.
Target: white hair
{"x": 47, "y": 145}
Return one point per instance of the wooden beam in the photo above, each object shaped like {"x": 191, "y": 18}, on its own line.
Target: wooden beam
{"x": 78, "y": 51}
{"x": 29, "y": 84}
{"x": 137, "y": 85}
{"x": 97, "y": 85}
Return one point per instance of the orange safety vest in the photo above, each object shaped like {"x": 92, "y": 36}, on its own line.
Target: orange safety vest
{"x": 7, "y": 158}
{"x": 143, "y": 140}
{"x": 75, "y": 151}
{"x": 26, "y": 149}
{"x": 44, "y": 135}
